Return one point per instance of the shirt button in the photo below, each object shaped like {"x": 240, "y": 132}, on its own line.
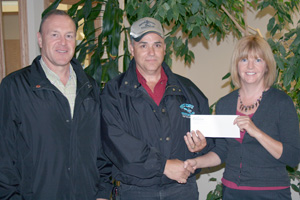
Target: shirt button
{"x": 67, "y": 121}
{"x": 160, "y": 139}
{"x": 126, "y": 82}
{"x": 168, "y": 138}
{"x": 154, "y": 111}
{"x": 163, "y": 110}
{"x": 135, "y": 86}
{"x": 174, "y": 89}
{"x": 69, "y": 168}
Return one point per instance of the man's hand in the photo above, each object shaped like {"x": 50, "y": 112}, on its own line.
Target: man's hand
{"x": 195, "y": 141}
{"x": 175, "y": 170}
{"x": 190, "y": 162}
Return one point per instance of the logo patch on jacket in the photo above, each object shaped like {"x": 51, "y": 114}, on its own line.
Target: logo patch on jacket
{"x": 187, "y": 110}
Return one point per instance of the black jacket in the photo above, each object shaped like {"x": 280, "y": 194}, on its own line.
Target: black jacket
{"x": 138, "y": 135}
{"x": 44, "y": 153}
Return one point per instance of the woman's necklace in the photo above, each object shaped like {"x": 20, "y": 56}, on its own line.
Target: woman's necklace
{"x": 250, "y": 107}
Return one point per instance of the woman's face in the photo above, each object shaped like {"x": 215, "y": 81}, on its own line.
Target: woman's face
{"x": 252, "y": 70}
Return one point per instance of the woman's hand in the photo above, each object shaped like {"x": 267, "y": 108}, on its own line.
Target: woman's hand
{"x": 274, "y": 147}
{"x": 245, "y": 123}
{"x": 195, "y": 141}
{"x": 191, "y": 163}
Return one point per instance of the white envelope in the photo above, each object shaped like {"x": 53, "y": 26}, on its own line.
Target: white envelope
{"x": 215, "y": 125}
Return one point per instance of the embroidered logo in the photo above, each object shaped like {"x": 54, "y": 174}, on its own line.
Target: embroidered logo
{"x": 146, "y": 24}
{"x": 187, "y": 110}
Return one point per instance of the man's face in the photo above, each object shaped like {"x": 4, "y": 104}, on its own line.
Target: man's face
{"x": 57, "y": 41}
{"x": 149, "y": 53}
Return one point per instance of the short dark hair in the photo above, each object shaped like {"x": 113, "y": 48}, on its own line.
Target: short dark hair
{"x": 53, "y": 12}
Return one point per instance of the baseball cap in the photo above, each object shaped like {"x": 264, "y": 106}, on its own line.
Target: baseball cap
{"x": 144, "y": 26}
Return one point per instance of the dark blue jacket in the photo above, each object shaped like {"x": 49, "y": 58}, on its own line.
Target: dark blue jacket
{"x": 44, "y": 153}
{"x": 138, "y": 135}
{"x": 277, "y": 117}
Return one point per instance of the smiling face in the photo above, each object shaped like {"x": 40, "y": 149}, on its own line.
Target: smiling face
{"x": 149, "y": 53}
{"x": 57, "y": 41}
{"x": 252, "y": 70}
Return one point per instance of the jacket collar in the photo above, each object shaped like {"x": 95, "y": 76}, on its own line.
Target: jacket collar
{"x": 130, "y": 83}
{"x": 39, "y": 80}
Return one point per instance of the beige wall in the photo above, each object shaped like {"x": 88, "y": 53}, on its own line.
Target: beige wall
{"x": 210, "y": 65}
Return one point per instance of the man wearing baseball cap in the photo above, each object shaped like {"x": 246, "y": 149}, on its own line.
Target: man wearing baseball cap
{"x": 145, "y": 115}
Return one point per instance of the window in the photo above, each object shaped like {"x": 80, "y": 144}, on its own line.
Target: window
{"x": 13, "y": 36}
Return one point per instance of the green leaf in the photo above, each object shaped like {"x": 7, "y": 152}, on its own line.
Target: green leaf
{"x": 182, "y": 10}
{"x": 130, "y": 8}
{"x": 296, "y": 42}
{"x": 126, "y": 58}
{"x": 162, "y": 13}
{"x": 143, "y": 10}
{"x": 82, "y": 54}
{"x": 195, "y": 7}
{"x": 169, "y": 14}
{"x": 87, "y": 8}
{"x": 88, "y": 28}
{"x": 271, "y": 24}
{"x": 289, "y": 34}
{"x": 272, "y": 43}
{"x": 195, "y": 31}
{"x": 274, "y": 30}
{"x": 98, "y": 72}
{"x": 288, "y": 75}
{"x": 205, "y": 32}
{"x": 295, "y": 188}
{"x": 226, "y": 76}
{"x": 53, "y": 6}
{"x": 264, "y": 4}
{"x": 175, "y": 13}
{"x": 213, "y": 179}
{"x": 79, "y": 15}
{"x": 74, "y": 8}
{"x": 279, "y": 62}
{"x": 95, "y": 12}
{"x": 211, "y": 16}
{"x": 166, "y": 7}
{"x": 282, "y": 50}
{"x": 108, "y": 19}
{"x": 112, "y": 69}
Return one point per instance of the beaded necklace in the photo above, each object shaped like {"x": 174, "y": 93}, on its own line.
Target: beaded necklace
{"x": 250, "y": 107}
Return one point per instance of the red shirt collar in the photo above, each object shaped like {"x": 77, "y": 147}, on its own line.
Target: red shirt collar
{"x": 142, "y": 80}
{"x": 159, "y": 88}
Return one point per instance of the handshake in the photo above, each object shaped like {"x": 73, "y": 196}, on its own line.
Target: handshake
{"x": 180, "y": 170}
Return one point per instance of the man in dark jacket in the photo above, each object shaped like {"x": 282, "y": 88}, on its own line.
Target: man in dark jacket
{"x": 145, "y": 115}
{"x": 50, "y": 143}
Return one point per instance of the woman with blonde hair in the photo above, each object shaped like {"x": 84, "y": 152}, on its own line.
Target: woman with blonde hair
{"x": 269, "y": 129}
